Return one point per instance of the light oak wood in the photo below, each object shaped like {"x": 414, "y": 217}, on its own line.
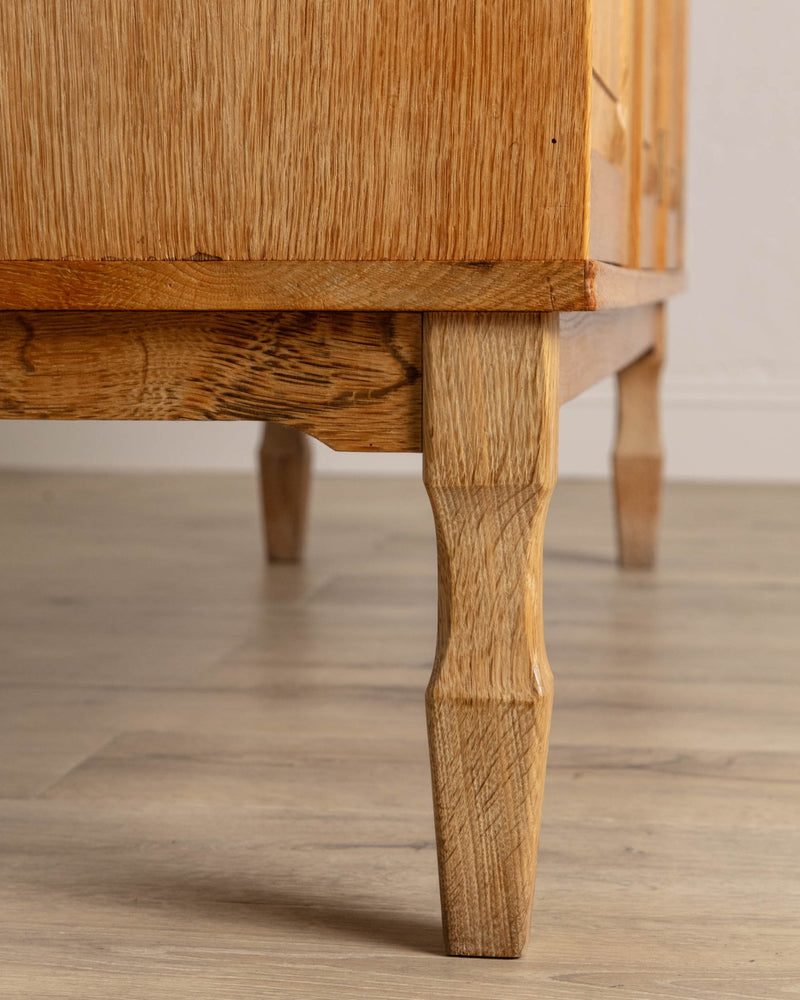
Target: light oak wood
{"x": 351, "y": 379}
{"x": 596, "y": 345}
{"x": 538, "y": 286}
{"x": 612, "y": 126}
{"x": 379, "y": 135}
{"x": 490, "y": 463}
{"x": 638, "y": 112}
{"x": 636, "y": 140}
{"x": 663, "y": 44}
{"x": 614, "y": 287}
{"x": 638, "y": 454}
{"x": 394, "y": 285}
{"x": 609, "y": 229}
{"x": 261, "y": 130}
{"x": 650, "y": 141}
{"x": 386, "y": 164}
{"x": 221, "y": 366}
{"x": 676, "y": 198}
{"x": 285, "y": 469}
{"x": 665, "y": 92}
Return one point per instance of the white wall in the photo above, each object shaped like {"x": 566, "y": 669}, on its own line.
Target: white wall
{"x": 732, "y": 390}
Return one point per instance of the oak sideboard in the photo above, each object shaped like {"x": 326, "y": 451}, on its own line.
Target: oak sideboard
{"x": 394, "y": 225}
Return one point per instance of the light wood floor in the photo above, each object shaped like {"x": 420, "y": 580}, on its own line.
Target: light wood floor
{"x": 214, "y": 780}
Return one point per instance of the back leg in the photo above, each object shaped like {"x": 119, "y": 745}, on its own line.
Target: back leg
{"x": 638, "y": 454}
{"x": 285, "y": 459}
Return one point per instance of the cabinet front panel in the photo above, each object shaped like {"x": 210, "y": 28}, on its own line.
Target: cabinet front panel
{"x": 294, "y": 129}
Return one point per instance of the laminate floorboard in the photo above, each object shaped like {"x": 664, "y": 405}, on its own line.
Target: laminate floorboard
{"x": 214, "y": 778}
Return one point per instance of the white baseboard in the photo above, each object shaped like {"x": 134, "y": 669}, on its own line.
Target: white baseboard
{"x": 713, "y": 429}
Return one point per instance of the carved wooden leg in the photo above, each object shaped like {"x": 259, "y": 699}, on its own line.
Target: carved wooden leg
{"x": 490, "y": 439}
{"x": 637, "y": 456}
{"x": 285, "y": 475}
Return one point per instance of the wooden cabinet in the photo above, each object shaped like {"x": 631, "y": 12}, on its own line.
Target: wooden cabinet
{"x": 507, "y": 133}
{"x": 392, "y": 224}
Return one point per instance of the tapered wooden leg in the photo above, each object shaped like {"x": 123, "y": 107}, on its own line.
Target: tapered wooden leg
{"x": 285, "y": 475}
{"x": 638, "y": 454}
{"x": 490, "y": 429}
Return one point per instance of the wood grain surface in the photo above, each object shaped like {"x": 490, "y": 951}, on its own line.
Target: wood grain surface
{"x": 613, "y": 54}
{"x": 662, "y": 36}
{"x": 354, "y": 380}
{"x": 595, "y": 345}
{"x": 312, "y": 130}
{"x": 638, "y": 125}
{"x": 351, "y": 379}
{"x": 537, "y": 286}
{"x": 490, "y": 457}
{"x": 612, "y": 287}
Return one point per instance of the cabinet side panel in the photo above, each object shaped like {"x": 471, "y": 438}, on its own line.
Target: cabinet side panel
{"x": 612, "y": 53}
{"x": 663, "y": 133}
{"x": 638, "y": 98}
{"x": 676, "y": 198}
{"x": 303, "y": 130}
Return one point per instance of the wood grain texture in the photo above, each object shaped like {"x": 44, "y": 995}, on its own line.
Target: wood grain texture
{"x": 648, "y": 193}
{"x": 612, "y": 123}
{"x": 398, "y": 286}
{"x": 638, "y": 454}
{"x": 311, "y": 130}
{"x": 676, "y": 195}
{"x": 638, "y": 112}
{"x": 611, "y": 287}
{"x": 596, "y": 345}
{"x": 666, "y": 89}
{"x": 489, "y": 465}
{"x": 352, "y": 380}
{"x": 609, "y": 232}
{"x": 663, "y": 107}
{"x": 636, "y": 140}
{"x": 285, "y": 471}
